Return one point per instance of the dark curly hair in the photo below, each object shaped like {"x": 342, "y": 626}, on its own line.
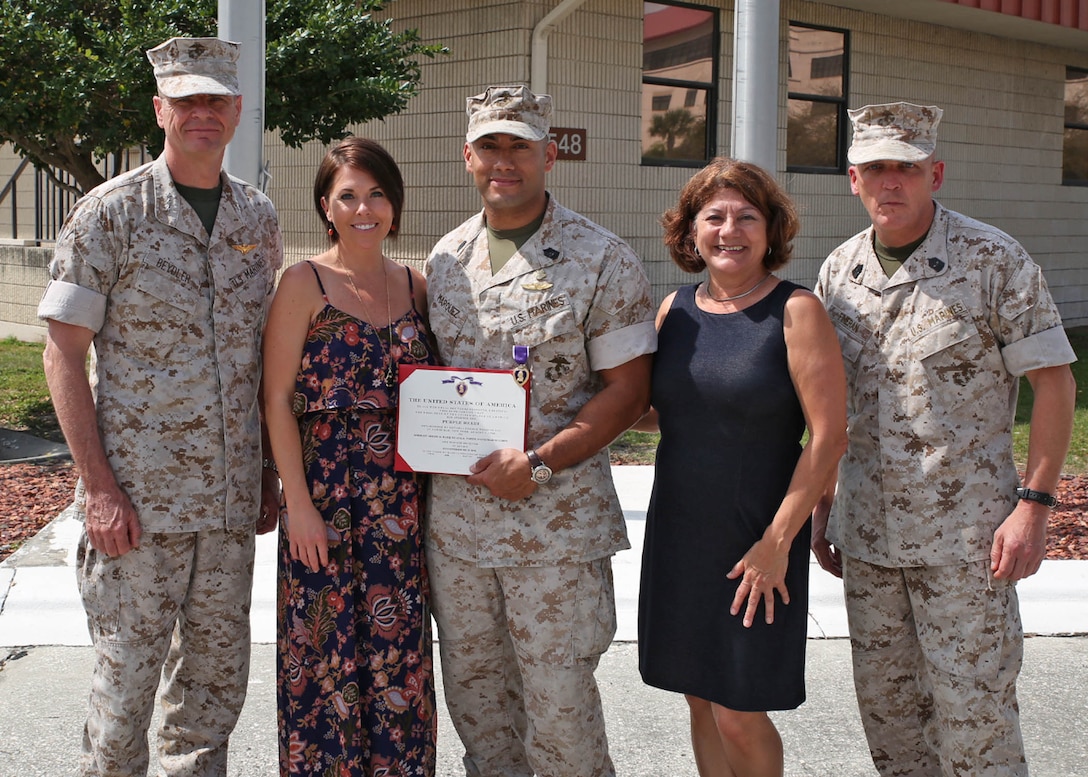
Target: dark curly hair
{"x": 362, "y": 154}
{"x": 754, "y": 184}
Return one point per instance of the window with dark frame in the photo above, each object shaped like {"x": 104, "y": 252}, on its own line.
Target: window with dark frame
{"x": 1075, "y": 144}
{"x": 817, "y": 124}
{"x": 679, "y": 84}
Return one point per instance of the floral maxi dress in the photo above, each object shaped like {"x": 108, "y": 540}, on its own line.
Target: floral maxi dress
{"x": 355, "y": 682}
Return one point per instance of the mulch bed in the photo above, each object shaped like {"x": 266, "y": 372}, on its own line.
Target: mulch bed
{"x": 31, "y": 495}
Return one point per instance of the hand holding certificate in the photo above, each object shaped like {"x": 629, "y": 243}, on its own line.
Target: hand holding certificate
{"x": 449, "y": 418}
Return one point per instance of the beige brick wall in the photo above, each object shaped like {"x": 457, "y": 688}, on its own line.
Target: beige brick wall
{"x": 24, "y": 273}
{"x": 17, "y": 207}
{"x": 1001, "y": 137}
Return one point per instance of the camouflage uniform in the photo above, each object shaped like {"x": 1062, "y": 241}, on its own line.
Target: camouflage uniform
{"x": 933, "y": 358}
{"x": 178, "y": 320}
{"x": 514, "y": 578}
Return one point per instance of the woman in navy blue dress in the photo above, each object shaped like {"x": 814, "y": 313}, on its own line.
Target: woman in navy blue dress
{"x": 355, "y": 680}
{"x": 745, "y": 363}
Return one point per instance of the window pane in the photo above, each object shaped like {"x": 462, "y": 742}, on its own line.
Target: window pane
{"x": 1075, "y": 145}
{"x": 1076, "y": 96}
{"x": 679, "y": 48}
{"x": 1075, "y": 156}
{"x": 812, "y": 134}
{"x": 816, "y": 61}
{"x": 677, "y": 134}
{"x": 677, "y": 43}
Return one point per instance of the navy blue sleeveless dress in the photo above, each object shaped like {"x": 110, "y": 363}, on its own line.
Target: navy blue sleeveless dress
{"x": 731, "y": 426}
{"x": 355, "y": 678}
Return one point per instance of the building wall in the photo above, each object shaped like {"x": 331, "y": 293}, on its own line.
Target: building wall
{"x": 17, "y": 206}
{"x": 24, "y": 273}
{"x": 1001, "y": 136}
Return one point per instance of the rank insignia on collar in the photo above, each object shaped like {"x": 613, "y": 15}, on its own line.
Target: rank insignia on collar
{"x": 856, "y": 272}
{"x": 244, "y": 248}
{"x": 539, "y": 282}
{"x": 551, "y": 253}
{"x": 935, "y": 264}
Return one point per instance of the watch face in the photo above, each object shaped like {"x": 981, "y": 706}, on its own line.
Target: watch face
{"x": 542, "y": 473}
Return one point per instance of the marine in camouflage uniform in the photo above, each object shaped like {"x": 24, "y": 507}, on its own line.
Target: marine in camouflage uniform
{"x": 934, "y": 351}
{"x": 521, "y": 581}
{"x": 176, "y": 316}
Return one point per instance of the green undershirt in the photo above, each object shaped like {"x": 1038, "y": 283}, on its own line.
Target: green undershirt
{"x": 891, "y": 259}
{"x": 204, "y": 201}
{"x": 504, "y": 243}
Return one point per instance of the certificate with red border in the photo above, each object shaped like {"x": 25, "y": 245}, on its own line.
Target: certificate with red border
{"x": 448, "y": 418}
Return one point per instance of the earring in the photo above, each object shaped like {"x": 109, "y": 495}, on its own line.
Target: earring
{"x": 331, "y": 231}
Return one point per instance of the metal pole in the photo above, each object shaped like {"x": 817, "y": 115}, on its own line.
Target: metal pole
{"x": 755, "y": 82}
{"x": 243, "y": 21}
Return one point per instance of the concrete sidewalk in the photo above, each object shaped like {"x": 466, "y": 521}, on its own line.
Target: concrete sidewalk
{"x": 44, "y": 677}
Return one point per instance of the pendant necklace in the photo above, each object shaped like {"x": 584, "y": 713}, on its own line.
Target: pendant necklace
{"x": 760, "y": 282}
{"x": 387, "y": 355}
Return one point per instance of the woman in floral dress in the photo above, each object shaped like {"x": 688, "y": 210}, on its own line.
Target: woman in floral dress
{"x": 355, "y": 677}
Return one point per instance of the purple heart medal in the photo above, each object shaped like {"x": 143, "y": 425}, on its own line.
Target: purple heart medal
{"x": 521, "y": 362}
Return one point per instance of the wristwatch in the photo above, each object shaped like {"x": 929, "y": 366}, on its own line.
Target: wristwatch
{"x": 1041, "y": 497}
{"x": 541, "y": 473}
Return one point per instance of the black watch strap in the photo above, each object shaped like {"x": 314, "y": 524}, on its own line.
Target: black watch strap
{"x": 1042, "y": 497}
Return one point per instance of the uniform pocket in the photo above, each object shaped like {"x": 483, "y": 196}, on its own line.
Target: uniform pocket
{"x": 595, "y": 610}
{"x": 956, "y": 366}
{"x": 157, "y": 318}
{"x": 555, "y": 340}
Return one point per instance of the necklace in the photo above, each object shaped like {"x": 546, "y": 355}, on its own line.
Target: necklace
{"x": 706, "y": 290}
{"x": 387, "y": 355}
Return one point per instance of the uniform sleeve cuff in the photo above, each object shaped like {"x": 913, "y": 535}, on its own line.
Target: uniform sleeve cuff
{"x": 1049, "y": 348}
{"x": 622, "y": 345}
{"x": 70, "y": 303}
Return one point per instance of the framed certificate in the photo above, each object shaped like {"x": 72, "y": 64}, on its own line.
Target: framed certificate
{"x": 448, "y": 418}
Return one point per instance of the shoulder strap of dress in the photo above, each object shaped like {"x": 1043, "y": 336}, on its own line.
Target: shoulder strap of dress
{"x": 317, "y": 275}
{"x": 411, "y": 288}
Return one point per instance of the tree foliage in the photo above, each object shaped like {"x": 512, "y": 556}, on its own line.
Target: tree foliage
{"x": 75, "y": 83}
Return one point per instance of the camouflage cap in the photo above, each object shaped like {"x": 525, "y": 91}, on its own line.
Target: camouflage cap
{"x": 188, "y": 66}
{"x": 509, "y": 110}
{"x": 901, "y": 132}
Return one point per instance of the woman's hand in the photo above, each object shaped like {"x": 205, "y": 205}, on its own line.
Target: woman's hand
{"x": 308, "y": 537}
{"x": 763, "y": 571}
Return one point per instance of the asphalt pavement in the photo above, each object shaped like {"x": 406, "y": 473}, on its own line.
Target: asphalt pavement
{"x": 45, "y": 662}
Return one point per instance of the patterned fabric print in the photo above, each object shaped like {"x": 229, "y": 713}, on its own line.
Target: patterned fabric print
{"x": 355, "y": 685}
{"x": 202, "y": 582}
{"x": 530, "y": 669}
{"x": 178, "y": 345}
{"x": 936, "y": 653}
{"x": 577, "y": 296}
{"x": 932, "y": 358}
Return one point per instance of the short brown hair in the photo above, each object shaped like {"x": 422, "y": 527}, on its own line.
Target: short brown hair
{"x": 754, "y": 184}
{"x": 362, "y": 154}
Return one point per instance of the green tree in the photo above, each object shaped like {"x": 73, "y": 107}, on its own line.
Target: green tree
{"x": 75, "y": 84}
{"x": 683, "y": 135}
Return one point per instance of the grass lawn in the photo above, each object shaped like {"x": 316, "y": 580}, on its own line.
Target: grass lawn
{"x": 24, "y": 398}
{"x": 25, "y": 406}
